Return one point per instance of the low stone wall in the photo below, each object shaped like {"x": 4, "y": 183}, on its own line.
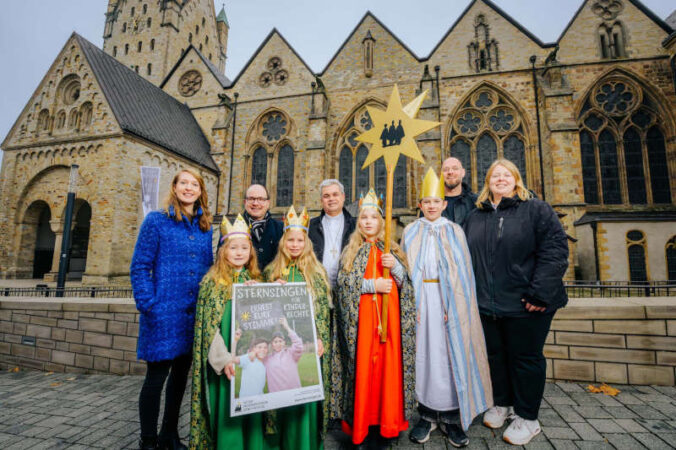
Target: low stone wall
{"x": 70, "y": 335}
{"x": 620, "y": 340}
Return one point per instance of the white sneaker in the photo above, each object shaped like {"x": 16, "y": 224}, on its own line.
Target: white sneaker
{"x": 521, "y": 431}
{"x": 496, "y": 416}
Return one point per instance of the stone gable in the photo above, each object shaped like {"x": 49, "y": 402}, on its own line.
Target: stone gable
{"x": 274, "y": 71}
{"x": 580, "y": 42}
{"x": 67, "y": 105}
{"x": 513, "y": 46}
{"x": 392, "y": 61}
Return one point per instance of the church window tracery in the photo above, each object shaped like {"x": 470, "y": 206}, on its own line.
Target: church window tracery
{"x": 351, "y": 157}
{"x": 190, "y": 83}
{"x": 274, "y": 73}
{"x": 636, "y": 256}
{"x": 487, "y": 127}
{"x": 622, "y": 147}
{"x": 259, "y": 167}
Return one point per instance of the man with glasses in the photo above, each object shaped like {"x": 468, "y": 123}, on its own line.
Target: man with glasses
{"x": 266, "y": 232}
{"x": 460, "y": 199}
{"x": 330, "y": 231}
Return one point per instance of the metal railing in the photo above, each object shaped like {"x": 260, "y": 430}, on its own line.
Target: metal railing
{"x": 80, "y": 291}
{"x": 575, "y": 289}
{"x": 583, "y": 289}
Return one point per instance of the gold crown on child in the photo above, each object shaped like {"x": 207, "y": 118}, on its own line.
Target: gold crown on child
{"x": 371, "y": 201}
{"x": 238, "y": 227}
{"x": 293, "y": 220}
{"x": 432, "y": 185}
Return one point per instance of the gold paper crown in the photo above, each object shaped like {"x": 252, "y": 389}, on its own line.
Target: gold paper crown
{"x": 371, "y": 201}
{"x": 238, "y": 227}
{"x": 432, "y": 186}
{"x": 293, "y": 220}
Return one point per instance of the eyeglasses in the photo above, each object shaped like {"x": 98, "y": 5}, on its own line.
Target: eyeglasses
{"x": 256, "y": 199}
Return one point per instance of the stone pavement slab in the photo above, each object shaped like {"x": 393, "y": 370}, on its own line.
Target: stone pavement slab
{"x": 41, "y": 410}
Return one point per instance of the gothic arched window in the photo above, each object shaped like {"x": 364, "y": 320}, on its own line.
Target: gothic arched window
{"x": 670, "y": 254}
{"x": 622, "y": 148}
{"x": 636, "y": 256}
{"x": 259, "y": 166}
{"x": 485, "y": 128}
{"x": 659, "y": 170}
{"x": 351, "y": 158}
{"x": 345, "y": 167}
{"x": 285, "y": 176}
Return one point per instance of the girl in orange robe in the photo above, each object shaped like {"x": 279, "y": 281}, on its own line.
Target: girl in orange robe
{"x": 373, "y": 381}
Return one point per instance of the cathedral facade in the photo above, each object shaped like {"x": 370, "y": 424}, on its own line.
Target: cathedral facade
{"x": 589, "y": 120}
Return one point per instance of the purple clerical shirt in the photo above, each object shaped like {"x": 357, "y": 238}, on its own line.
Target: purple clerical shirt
{"x": 282, "y": 367}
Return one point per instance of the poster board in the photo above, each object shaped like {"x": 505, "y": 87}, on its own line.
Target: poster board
{"x": 274, "y": 339}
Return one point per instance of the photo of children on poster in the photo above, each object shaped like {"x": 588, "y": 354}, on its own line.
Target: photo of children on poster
{"x": 274, "y": 343}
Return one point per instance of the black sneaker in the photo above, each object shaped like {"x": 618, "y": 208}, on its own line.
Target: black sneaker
{"x": 455, "y": 434}
{"x": 422, "y": 430}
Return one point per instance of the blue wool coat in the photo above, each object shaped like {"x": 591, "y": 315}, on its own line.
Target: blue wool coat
{"x": 169, "y": 262}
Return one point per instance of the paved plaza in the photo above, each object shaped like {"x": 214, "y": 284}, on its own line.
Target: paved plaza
{"x": 41, "y": 410}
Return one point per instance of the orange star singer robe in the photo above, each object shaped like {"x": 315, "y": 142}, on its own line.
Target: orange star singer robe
{"x": 378, "y": 392}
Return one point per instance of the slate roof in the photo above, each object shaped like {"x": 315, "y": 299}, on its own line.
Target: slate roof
{"x": 143, "y": 109}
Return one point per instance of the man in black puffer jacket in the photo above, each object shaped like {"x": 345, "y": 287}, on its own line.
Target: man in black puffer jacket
{"x": 459, "y": 197}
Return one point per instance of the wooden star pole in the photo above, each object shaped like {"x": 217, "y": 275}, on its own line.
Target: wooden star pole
{"x": 393, "y": 133}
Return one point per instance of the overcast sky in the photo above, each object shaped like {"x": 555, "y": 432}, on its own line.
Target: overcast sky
{"x": 32, "y": 32}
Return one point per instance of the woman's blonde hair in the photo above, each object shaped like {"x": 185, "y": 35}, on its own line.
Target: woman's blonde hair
{"x": 358, "y": 238}
{"x": 519, "y": 187}
{"x": 201, "y": 202}
{"x": 307, "y": 263}
{"x": 223, "y": 271}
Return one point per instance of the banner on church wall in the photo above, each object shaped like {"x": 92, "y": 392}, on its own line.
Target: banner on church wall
{"x": 274, "y": 341}
{"x": 150, "y": 188}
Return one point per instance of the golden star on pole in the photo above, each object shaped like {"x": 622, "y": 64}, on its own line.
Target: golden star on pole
{"x": 394, "y": 130}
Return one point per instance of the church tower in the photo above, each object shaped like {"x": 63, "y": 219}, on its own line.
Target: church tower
{"x": 150, "y": 36}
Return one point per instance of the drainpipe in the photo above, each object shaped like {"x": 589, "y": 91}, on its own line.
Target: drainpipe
{"x": 596, "y": 251}
{"x": 232, "y": 150}
{"x": 537, "y": 116}
{"x": 437, "y": 68}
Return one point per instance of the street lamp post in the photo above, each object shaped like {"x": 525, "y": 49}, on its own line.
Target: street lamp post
{"x": 64, "y": 258}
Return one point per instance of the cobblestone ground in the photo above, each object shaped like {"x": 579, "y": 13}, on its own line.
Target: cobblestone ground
{"x": 43, "y": 411}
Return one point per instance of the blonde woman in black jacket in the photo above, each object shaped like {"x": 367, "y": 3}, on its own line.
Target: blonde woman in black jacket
{"x": 519, "y": 254}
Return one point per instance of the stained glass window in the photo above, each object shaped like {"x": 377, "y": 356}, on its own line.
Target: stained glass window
{"x": 399, "y": 198}
{"x": 460, "y": 149}
{"x": 610, "y": 176}
{"x": 285, "y": 176}
{"x": 637, "y": 267}
{"x": 363, "y": 181}
{"x": 515, "y": 152}
{"x": 259, "y": 166}
{"x": 671, "y": 259}
{"x": 589, "y": 180}
{"x": 380, "y": 176}
{"x": 345, "y": 171}
{"x": 633, "y": 160}
{"x": 659, "y": 170}
{"x": 486, "y": 153}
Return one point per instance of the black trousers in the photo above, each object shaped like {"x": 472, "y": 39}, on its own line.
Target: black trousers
{"x": 518, "y": 367}
{"x": 149, "y": 400}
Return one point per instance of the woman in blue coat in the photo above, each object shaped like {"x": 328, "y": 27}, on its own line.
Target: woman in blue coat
{"x": 172, "y": 254}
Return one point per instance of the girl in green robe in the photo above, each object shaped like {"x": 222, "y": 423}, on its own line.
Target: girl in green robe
{"x": 303, "y": 427}
{"x": 211, "y": 426}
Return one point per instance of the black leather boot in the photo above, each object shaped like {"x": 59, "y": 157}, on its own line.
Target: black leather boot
{"x": 147, "y": 443}
{"x": 170, "y": 442}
